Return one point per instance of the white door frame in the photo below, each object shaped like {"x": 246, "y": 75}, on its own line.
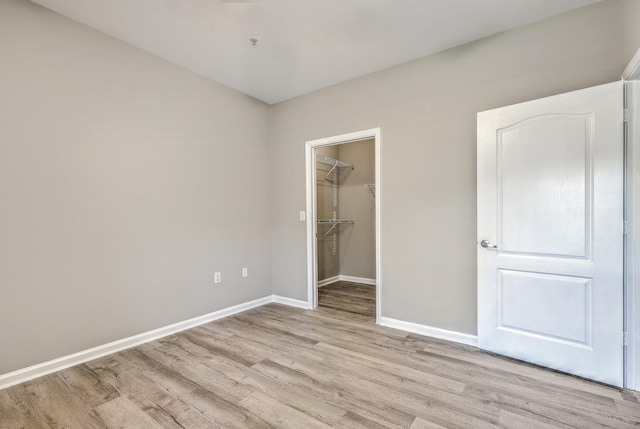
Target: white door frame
{"x": 312, "y": 260}
{"x": 632, "y": 240}
{"x": 632, "y": 226}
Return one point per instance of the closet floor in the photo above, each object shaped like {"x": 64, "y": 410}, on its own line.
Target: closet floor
{"x": 351, "y": 297}
{"x": 282, "y": 367}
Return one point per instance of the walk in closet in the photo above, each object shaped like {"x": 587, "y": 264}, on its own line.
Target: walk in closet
{"x": 346, "y": 212}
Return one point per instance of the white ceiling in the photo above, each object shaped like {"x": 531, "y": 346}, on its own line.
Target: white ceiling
{"x": 303, "y": 45}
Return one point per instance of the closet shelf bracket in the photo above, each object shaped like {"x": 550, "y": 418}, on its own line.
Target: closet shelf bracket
{"x": 334, "y": 226}
{"x": 372, "y": 188}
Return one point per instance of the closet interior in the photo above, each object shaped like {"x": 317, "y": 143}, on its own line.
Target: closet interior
{"x": 345, "y": 216}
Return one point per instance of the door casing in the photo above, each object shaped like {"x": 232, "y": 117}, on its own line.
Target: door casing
{"x": 631, "y": 76}
{"x": 310, "y": 162}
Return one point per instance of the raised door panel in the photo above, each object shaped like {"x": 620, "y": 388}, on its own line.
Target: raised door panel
{"x": 544, "y": 186}
{"x": 548, "y": 307}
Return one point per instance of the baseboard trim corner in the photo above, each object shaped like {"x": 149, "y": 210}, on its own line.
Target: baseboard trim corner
{"x": 290, "y": 302}
{"x": 361, "y": 280}
{"x": 429, "y": 331}
{"x": 328, "y": 281}
{"x": 48, "y": 367}
{"x": 341, "y": 278}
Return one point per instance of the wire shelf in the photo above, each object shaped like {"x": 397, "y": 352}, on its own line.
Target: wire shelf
{"x": 327, "y": 227}
{"x": 337, "y": 171}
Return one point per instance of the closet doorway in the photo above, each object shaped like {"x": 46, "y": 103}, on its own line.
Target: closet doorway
{"x": 343, "y": 239}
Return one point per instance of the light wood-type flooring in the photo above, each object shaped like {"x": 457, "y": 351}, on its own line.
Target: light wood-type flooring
{"x": 283, "y": 367}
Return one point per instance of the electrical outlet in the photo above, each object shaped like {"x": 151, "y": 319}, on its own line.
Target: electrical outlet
{"x": 303, "y": 216}
{"x": 245, "y": 272}
{"x": 217, "y": 278}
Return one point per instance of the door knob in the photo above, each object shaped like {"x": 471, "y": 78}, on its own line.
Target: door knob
{"x": 487, "y": 244}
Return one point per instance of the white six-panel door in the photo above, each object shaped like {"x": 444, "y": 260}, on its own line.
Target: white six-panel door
{"x": 550, "y": 199}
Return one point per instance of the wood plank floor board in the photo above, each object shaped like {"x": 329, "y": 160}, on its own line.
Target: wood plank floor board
{"x": 281, "y": 367}
{"x": 627, "y": 409}
{"x": 396, "y": 373}
{"x": 170, "y": 412}
{"x": 508, "y": 383}
{"x": 569, "y": 398}
{"x": 520, "y": 420}
{"x": 122, "y": 413}
{"x": 311, "y": 404}
{"x": 279, "y": 333}
{"x": 222, "y": 348}
{"x": 447, "y": 369}
{"x": 200, "y": 375}
{"x": 542, "y": 409}
{"x": 219, "y": 369}
{"x": 351, "y": 420}
{"x": 346, "y": 335}
{"x": 183, "y": 380}
{"x": 420, "y": 423}
{"x": 16, "y": 414}
{"x": 163, "y": 407}
{"x": 389, "y": 385}
{"x": 278, "y": 414}
{"x": 399, "y": 398}
{"x": 217, "y": 405}
{"x": 212, "y": 380}
{"x": 407, "y": 397}
{"x": 268, "y": 342}
{"x": 490, "y": 361}
{"x": 280, "y": 380}
{"x": 55, "y": 405}
{"x": 87, "y": 386}
{"x": 337, "y": 393}
{"x": 430, "y": 403}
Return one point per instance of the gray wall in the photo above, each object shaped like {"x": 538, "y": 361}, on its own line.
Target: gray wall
{"x": 427, "y": 113}
{"x": 125, "y": 182}
{"x": 630, "y": 12}
{"x": 358, "y": 243}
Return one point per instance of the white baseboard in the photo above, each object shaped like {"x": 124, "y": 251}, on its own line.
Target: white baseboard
{"x": 41, "y": 369}
{"x": 290, "y": 302}
{"x": 430, "y": 331}
{"x": 328, "y": 281}
{"x": 362, "y": 280}
{"x": 342, "y": 278}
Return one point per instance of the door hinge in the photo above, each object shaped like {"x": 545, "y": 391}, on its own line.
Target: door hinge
{"x": 625, "y": 227}
{"x": 625, "y": 339}
{"x": 627, "y": 115}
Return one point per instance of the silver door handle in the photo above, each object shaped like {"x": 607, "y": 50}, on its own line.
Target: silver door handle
{"x": 487, "y": 244}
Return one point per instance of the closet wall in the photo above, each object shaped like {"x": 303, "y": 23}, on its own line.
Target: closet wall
{"x": 357, "y": 201}
{"x": 354, "y": 252}
{"x": 328, "y": 262}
